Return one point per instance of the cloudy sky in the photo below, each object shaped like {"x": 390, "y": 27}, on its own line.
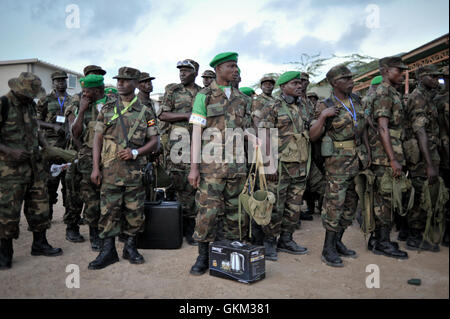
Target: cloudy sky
{"x": 152, "y": 35}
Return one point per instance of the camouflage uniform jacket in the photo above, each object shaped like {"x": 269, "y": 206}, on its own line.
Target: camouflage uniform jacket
{"x": 442, "y": 104}
{"x": 259, "y": 102}
{"x": 421, "y": 113}
{"x": 48, "y": 108}
{"x": 275, "y": 114}
{"x": 19, "y": 131}
{"x": 216, "y": 113}
{"x": 387, "y": 102}
{"x": 116, "y": 171}
{"x": 344, "y": 161}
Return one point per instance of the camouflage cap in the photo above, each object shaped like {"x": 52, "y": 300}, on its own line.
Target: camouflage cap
{"x": 337, "y": 72}
{"x": 392, "y": 62}
{"x": 267, "y": 79}
{"x": 59, "y": 75}
{"x": 304, "y": 76}
{"x": 188, "y": 63}
{"x": 93, "y": 68}
{"x": 128, "y": 73}
{"x": 145, "y": 77}
{"x": 312, "y": 94}
{"x": 26, "y": 84}
{"x": 209, "y": 74}
{"x": 427, "y": 70}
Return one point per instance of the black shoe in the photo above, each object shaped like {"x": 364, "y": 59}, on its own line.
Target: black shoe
{"x": 288, "y": 245}
{"x": 270, "y": 245}
{"x": 41, "y": 247}
{"x": 123, "y": 237}
{"x": 417, "y": 243}
{"x": 73, "y": 234}
{"x": 384, "y": 246}
{"x": 202, "y": 263}
{"x": 306, "y": 216}
{"x": 329, "y": 253}
{"x": 94, "y": 238}
{"x": 403, "y": 235}
{"x": 130, "y": 251}
{"x": 108, "y": 255}
{"x": 6, "y": 253}
{"x": 373, "y": 240}
{"x": 340, "y": 247}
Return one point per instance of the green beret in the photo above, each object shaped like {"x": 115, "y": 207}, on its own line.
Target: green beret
{"x": 376, "y": 80}
{"x": 222, "y": 58}
{"x": 92, "y": 81}
{"x": 288, "y": 76}
{"x": 247, "y": 91}
{"x": 111, "y": 90}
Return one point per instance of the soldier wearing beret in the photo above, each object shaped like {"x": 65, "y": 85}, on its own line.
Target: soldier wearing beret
{"x": 422, "y": 123}
{"x": 176, "y": 109}
{"x": 217, "y": 107}
{"x": 22, "y": 174}
{"x": 339, "y": 121}
{"x": 385, "y": 110}
{"x": 52, "y": 121}
{"x": 125, "y": 133}
{"x": 208, "y": 76}
{"x": 287, "y": 114}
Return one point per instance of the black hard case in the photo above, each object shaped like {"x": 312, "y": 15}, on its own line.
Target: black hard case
{"x": 163, "y": 226}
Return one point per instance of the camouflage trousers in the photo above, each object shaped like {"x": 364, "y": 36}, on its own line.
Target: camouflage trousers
{"x": 185, "y": 193}
{"x": 33, "y": 196}
{"x": 286, "y": 211}
{"x": 90, "y": 194}
{"x": 316, "y": 181}
{"x": 216, "y": 197}
{"x": 122, "y": 210}
{"x": 382, "y": 204}
{"x": 74, "y": 205}
{"x": 53, "y": 185}
{"x": 340, "y": 202}
{"x": 417, "y": 217}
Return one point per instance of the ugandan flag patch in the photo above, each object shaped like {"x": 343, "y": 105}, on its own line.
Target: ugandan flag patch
{"x": 151, "y": 123}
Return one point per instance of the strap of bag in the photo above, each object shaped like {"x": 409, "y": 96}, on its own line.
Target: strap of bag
{"x": 137, "y": 122}
{"x": 122, "y": 124}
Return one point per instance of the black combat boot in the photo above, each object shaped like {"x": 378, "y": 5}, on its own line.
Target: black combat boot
{"x": 403, "y": 229}
{"x": 123, "y": 237}
{"x": 202, "y": 263}
{"x": 130, "y": 251}
{"x": 73, "y": 234}
{"x": 270, "y": 245}
{"x": 329, "y": 253}
{"x": 108, "y": 255}
{"x": 288, "y": 245}
{"x": 188, "y": 230}
{"x": 340, "y": 247}
{"x": 41, "y": 247}
{"x": 94, "y": 238}
{"x": 6, "y": 253}
{"x": 384, "y": 246}
{"x": 415, "y": 242}
{"x": 373, "y": 239}
{"x": 257, "y": 234}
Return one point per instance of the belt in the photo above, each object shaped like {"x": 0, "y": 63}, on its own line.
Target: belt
{"x": 396, "y": 133}
{"x": 345, "y": 144}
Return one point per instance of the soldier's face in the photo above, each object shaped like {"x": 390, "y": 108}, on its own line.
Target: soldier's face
{"x": 207, "y": 81}
{"x": 305, "y": 84}
{"x": 344, "y": 84}
{"x": 267, "y": 87}
{"x": 146, "y": 86}
{"x": 187, "y": 75}
{"x": 228, "y": 71}
{"x": 431, "y": 81}
{"x": 293, "y": 88}
{"x": 395, "y": 76}
{"x": 126, "y": 86}
{"x": 313, "y": 100}
{"x": 60, "y": 84}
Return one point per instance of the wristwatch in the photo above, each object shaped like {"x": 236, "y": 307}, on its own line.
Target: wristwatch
{"x": 135, "y": 153}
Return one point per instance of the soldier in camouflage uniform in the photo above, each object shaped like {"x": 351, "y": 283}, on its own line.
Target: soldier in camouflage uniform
{"x": 442, "y": 104}
{"x": 339, "y": 120}
{"x": 145, "y": 88}
{"x": 288, "y": 183}
{"x": 22, "y": 175}
{"x": 73, "y": 178}
{"x": 422, "y": 122}
{"x": 386, "y": 143}
{"x": 208, "y": 76}
{"x": 125, "y": 133}
{"x": 313, "y": 98}
{"x": 176, "y": 109}
{"x": 267, "y": 85}
{"x": 52, "y": 121}
{"x": 216, "y": 108}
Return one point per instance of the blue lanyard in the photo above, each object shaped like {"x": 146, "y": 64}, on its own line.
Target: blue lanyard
{"x": 61, "y": 105}
{"x": 353, "y": 114}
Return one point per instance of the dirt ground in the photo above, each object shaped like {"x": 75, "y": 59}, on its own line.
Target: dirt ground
{"x": 166, "y": 272}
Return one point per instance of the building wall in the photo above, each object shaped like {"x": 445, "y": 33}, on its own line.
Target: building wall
{"x": 8, "y": 72}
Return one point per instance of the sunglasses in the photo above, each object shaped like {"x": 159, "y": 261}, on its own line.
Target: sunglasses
{"x": 186, "y": 63}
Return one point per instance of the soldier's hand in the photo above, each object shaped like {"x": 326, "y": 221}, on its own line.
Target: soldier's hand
{"x": 432, "y": 174}
{"x": 84, "y": 103}
{"x": 96, "y": 177}
{"x": 19, "y": 155}
{"x": 396, "y": 168}
{"x": 194, "y": 178}
{"x": 329, "y": 112}
{"x": 125, "y": 155}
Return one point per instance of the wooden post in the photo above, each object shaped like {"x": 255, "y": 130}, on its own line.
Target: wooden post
{"x": 407, "y": 82}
